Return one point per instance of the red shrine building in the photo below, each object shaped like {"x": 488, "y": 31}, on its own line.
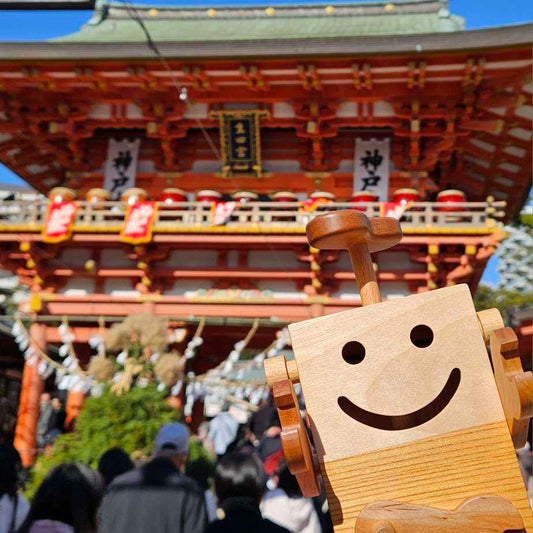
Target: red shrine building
{"x": 179, "y": 175}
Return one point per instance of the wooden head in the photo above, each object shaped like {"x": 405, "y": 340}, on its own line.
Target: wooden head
{"x": 395, "y": 372}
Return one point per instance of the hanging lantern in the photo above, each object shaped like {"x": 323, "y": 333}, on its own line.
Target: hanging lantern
{"x": 405, "y": 196}
{"x": 133, "y": 195}
{"x": 209, "y": 196}
{"x": 171, "y": 196}
{"x": 61, "y": 194}
{"x": 97, "y": 196}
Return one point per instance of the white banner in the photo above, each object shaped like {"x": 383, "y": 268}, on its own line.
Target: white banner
{"x": 121, "y": 166}
{"x": 371, "y": 172}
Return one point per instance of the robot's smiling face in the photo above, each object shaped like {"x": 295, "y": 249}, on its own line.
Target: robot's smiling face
{"x": 395, "y": 372}
{"x": 354, "y": 352}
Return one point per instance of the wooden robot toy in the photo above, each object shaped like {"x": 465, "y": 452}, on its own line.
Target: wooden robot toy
{"x": 412, "y": 429}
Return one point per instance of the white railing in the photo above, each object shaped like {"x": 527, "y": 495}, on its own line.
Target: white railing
{"x": 269, "y": 216}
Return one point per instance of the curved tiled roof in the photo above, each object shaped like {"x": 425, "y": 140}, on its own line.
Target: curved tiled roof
{"x": 113, "y": 22}
{"x": 501, "y": 37}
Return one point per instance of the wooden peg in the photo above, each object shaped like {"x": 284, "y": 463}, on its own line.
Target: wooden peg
{"x": 294, "y": 438}
{"x": 482, "y": 514}
{"x": 514, "y": 385}
{"x": 361, "y": 236}
{"x": 278, "y": 369}
{"x": 489, "y": 320}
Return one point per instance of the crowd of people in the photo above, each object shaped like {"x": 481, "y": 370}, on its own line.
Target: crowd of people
{"x": 248, "y": 487}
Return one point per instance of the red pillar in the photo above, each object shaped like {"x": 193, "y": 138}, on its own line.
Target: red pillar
{"x": 30, "y": 396}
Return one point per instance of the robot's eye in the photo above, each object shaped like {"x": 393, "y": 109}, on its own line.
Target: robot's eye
{"x": 353, "y": 352}
{"x": 421, "y": 336}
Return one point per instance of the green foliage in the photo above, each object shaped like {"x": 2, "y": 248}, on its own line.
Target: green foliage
{"x": 198, "y": 452}
{"x": 526, "y": 220}
{"x": 130, "y": 421}
{"x": 504, "y": 300}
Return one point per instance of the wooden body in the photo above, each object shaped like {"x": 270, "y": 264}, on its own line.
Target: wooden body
{"x": 444, "y": 442}
{"x": 440, "y": 472}
{"x": 482, "y": 514}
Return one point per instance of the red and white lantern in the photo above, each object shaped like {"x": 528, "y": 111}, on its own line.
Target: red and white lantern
{"x": 244, "y": 196}
{"x": 61, "y": 194}
{"x": 208, "y": 196}
{"x": 322, "y": 195}
{"x": 284, "y": 196}
{"x": 171, "y": 196}
{"x": 359, "y": 197}
{"x": 450, "y": 196}
{"x": 97, "y": 196}
{"x": 405, "y": 196}
{"x": 134, "y": 195}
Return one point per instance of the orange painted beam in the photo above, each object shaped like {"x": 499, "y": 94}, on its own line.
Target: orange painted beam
{"x": 219, "y": 240}
{"x": 168, "y": 273}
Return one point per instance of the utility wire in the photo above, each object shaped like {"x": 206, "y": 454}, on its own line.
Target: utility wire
{"x": 134, "y": 14}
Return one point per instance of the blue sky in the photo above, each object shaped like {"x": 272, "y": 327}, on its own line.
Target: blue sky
{"x": 41, "y": 25}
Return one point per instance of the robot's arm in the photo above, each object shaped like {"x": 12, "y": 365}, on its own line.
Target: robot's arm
{"x": 514, "y": 385}
{"x": 294, "y": 439}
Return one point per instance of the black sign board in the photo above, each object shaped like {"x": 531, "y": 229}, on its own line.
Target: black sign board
{"x": 240, "y": 141}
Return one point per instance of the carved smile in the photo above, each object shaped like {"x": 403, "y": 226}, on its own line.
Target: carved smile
{"x": 409, "y": 420}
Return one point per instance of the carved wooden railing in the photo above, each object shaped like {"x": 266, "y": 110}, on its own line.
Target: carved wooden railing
{"x": 272, "y": 217}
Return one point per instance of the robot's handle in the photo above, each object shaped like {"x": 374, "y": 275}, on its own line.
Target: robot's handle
{"x": 354, "y": 231}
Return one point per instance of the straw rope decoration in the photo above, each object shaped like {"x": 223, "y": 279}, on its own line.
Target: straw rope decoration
{"x": 43, "y": 355}
{"x": 215, "y": 383}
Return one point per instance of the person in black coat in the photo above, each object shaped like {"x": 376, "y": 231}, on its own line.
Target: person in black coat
{"x": 240, "y": 482}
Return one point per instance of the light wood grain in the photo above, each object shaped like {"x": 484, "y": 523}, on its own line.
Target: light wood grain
{"x": 395, "y": 376}
{"x": 482, "y": 514}
{"x": 364, "y": 274}
{"x": 275, "y": 370}
{"x": 489, "y": 320}
{"x": 440, "y": 471}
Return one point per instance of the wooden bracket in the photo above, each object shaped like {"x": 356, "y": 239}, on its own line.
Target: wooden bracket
{"x": 482, "y": 514}
{"x": 278, "y": 368}
{"x": 514, "y": 385}
{"x": 294, "y": 438}
{"x": 489, "y": 320}
{"x": 281, "y": 374}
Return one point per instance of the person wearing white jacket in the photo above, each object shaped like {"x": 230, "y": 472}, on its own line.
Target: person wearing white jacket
{"x": 286, "y": 506}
